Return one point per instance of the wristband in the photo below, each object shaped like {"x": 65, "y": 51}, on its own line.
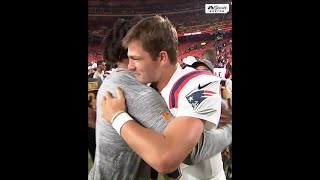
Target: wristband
{"x": 120, "y": 120}
{"x": 115, "y": 115}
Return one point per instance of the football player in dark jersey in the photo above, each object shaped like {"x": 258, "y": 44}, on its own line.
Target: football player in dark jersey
{"x": 93, "y": 86}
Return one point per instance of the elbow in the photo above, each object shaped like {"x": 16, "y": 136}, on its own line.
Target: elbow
{"x": 167, "y": 164}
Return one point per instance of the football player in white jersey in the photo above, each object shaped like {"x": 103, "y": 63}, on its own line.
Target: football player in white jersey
{"x": 192, "y": 96}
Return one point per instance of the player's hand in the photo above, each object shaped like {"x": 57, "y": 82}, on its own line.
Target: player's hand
{"x": 112, "y": 105}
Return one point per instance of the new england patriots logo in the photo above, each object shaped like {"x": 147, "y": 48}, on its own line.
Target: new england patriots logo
{"x": 197, "y": 97}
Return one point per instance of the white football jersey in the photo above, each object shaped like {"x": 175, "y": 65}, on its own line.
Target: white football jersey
{"x": 196, "y": 93}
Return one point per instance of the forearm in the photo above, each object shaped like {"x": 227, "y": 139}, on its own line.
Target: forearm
{"x": 211, "y": 143}
{"x": 164, "y": 152}
{"x": 154, "y": 150}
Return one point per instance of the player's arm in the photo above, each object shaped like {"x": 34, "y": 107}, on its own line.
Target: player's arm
{"x": 210, "y": 143}
{"x": 214, "y": 141}
{"x": 206, "y": 104}
{"x": 164, "y": 152}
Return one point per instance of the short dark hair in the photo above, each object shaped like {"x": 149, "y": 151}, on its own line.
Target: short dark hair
{"x": 113, "y": 51}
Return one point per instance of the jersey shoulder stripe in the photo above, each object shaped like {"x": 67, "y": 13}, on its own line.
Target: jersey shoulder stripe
{"x": 180, "y": 83}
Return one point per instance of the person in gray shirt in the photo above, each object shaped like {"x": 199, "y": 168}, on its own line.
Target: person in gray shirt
{"x": 114, "y": 158}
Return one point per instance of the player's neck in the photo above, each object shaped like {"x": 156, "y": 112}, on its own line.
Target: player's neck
{"x": 123, "y": 65}
{"x": 122, "y": 68}
{"x": 165, "y": 78}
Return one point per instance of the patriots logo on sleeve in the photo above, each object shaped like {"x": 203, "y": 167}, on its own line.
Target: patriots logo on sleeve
{"x": 197, "y": 97}
{"x": 181, "y": 82}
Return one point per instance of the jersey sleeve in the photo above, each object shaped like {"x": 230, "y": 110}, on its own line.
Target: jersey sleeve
{"x": 203, "y": 103}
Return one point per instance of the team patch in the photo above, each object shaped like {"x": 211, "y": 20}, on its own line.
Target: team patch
{"x": 166, "y": 116}
{"x": 197, "y": 97}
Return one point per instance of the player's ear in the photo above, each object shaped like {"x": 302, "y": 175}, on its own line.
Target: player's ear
{"x": 163, "y": 57}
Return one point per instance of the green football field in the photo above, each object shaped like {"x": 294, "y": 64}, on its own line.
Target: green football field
{"x": 89, "y": 162}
